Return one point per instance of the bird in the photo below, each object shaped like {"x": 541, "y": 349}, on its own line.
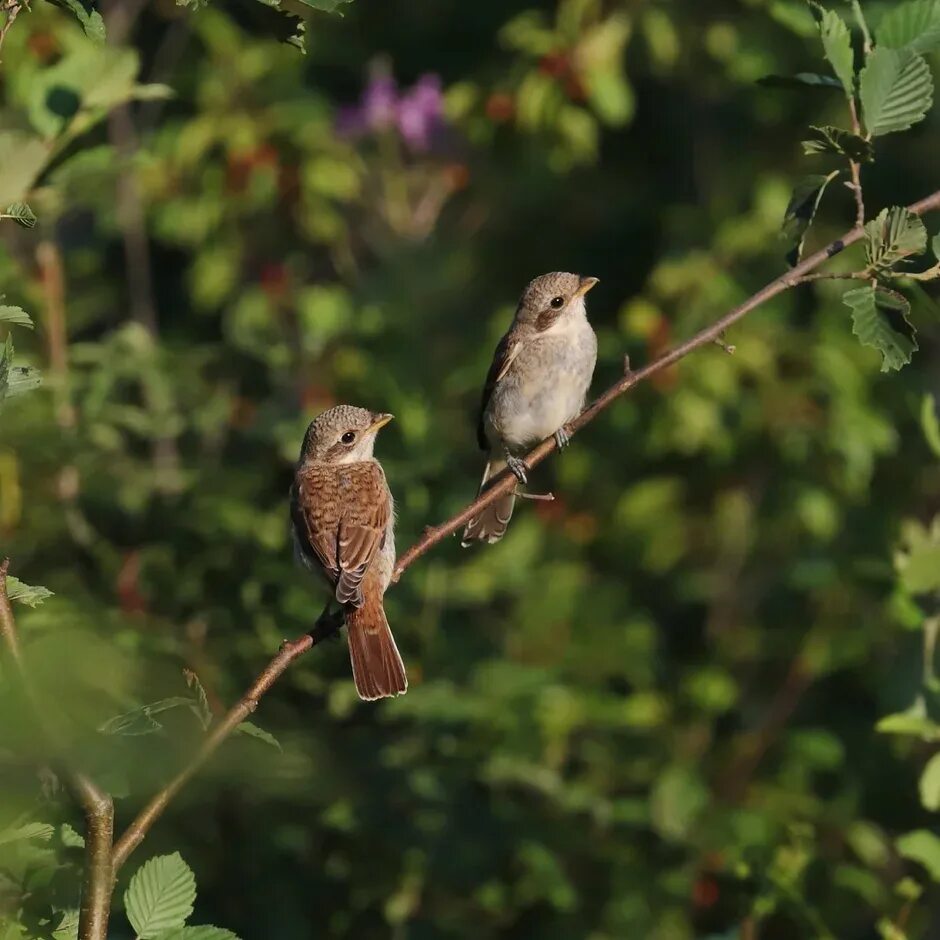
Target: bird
{"x": 343, "y": 526}
{"x": 537, "y": 383}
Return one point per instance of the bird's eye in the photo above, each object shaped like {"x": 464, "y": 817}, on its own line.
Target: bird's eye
{"x": 557, "y": 302}
{"x": 348, "y": 437}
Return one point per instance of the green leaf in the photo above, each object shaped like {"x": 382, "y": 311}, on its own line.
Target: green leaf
{"x": 923, "y": 847}
{"x": 41, "y": 831}
{"x": 22, "y": 157}
{"x": 930, "y": 423}
{"x": 253, "y": 731}
{"x": 87, "y": 15}
{"x": 16, "y": 315}
{"x": 835, "y": 140}
{"x": 21, "y": 379}
{"x": 895, "y": 234}
{"x": 930, "y": 784}
{"x": 880, "y": 320}
{"x": 917, "y": 558}
{"x": 896, "y": 89}
{"x": 800, "y": 80}
{"x": 199, "y": 933}
{"x": 140, "y": 721}
{"x": 68, "y": 926}
{"x": 25, "y": 594}
{"x": 802, "y": 210}
{"x": 837, "y": 45}
{"x": 913, "y": 26}
{"x": 200, "y": 706}
{"x": 70, "y": 837}
{"x": 21, "y": 213}
{"x": 160, "y": 896}
{"x": 935, "y": 246}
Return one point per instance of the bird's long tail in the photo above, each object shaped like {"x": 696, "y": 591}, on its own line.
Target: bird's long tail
{"x": 490, "y": 525}
{"x": 378, "y": 670}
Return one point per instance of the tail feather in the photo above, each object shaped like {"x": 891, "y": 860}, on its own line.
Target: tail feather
{"x": 378, "y": 670}
{"x": 491, "y": 524}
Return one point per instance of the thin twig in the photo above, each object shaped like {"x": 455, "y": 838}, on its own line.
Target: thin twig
{"x": 138, "y": 829}
{"x": 506, "y": 481}
{"x": 289, "y": 651}
{"x": 12, "y": 9}
{"x": 856, "y": 169}
{"x": 97, "y": 878}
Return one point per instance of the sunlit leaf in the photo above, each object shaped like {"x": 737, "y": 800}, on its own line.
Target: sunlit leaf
{"x": 880, "y": 320}
{"x": 160, "y": 896}
{"x": 896, "y": 89}
{"x": 68, "y": 926}
{"x": 86, "y": 14}
{"x": 327, "y": 6}
{"x": 895, "y": 234}
{"x": 21, "y": 213}
{"x": 22, "y": 157}
{"x": 70, "y": 837}
{"x": 837, "y": 45}
{"x": 15, "y": 315}
{"x": 930, "y": 423}
{"x": 930, "y": 784}
{"x": 921, "y": 846}
{"x": 837, "y": 141}
{"x": 26, "y": 594}
{"x": 914, "y": 26}
{"x": 198, "y": 933}
{"x": 41, "y": 831}
{"x": 917, "y": 558}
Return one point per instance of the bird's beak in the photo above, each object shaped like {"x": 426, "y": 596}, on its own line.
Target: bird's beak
{"x": 586, "y": 284}
{"x": 379, "y": 421}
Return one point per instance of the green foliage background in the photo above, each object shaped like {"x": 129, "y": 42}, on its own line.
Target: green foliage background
{"x": 650, "y": 711}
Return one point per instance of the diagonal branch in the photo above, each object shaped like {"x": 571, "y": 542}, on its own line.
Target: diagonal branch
{"x": 290, "y": 651}
{"x": 506, "y": 481}
{"x": 96, "y": 804}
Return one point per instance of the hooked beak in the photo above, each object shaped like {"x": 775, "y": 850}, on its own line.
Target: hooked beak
{"x": 586, "y": 284}
{"x": 379, "y": 421}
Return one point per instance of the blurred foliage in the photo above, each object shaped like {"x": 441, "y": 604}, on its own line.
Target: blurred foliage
{"x": 691, "y": 697}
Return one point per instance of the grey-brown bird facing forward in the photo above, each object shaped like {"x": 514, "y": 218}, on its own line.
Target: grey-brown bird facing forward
{"x": 342, "y": 519}
{"x": 537, "y": 383}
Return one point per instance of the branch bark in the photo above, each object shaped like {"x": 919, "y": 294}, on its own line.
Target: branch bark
{"x": 326, "y": 626}
{"x": 506, "y": 481}
{"x": 96, "y": 804}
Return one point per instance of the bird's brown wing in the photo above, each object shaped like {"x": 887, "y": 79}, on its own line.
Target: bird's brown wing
{"x": 344, "y": 512}
{"x": 506, "y": 352}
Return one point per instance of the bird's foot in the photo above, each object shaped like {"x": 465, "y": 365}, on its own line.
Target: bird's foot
{"x": 518, "y": 467}
{"x": 562, "y": 438}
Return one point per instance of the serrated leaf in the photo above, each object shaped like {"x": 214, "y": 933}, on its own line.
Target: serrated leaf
{"x": 68, "y": 926}
{"x": 71, "y": 839}
{"x": 893, "y": 235}
{"x": 160, "y": 896}
{"x": 253, "y": 731}
{"x": 26, "y": 594}
{"x": 140, "y": 721}
{"x": 841, "y": 142}
{"x": 199, "y": 933}
{"x": 880, "y": 320}
{"x": 200, "y": 706}
{"x": 800, "y": 80}
{"x": 87, "y": 15}
{"x": 801, "y": 211}
{"x": 837, "y": 46}
{"x": 913, "y": 26}
{"x": 21, "y": 213}
{"x": 896, "y": 89}
{"x": 41, "y": 831}
{"x": 930, "y": 423}
{"x": 15, "y": 315}
{"x": 930, "y": 784}
{"x": 923, "y": 847}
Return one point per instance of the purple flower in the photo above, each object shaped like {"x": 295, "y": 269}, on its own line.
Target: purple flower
{"x": 420, "y": 112}
{"x": 415, "y": 114}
